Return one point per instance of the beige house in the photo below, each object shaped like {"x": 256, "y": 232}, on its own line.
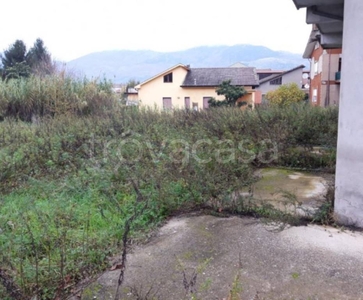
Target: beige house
{"x": 182, "y": 87}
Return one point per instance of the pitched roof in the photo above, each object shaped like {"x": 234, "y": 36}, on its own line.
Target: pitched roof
{"x": 198, "y": 77}
{"x": 268, "y": 71}
{"x": 310, "y": 46}
{"x": 131, "y": 91}
{"x": 161, "y": 74}
{"x": 263, "y": 73}
{"x": 272, "y": 77}
{"x": 238, "y": 65}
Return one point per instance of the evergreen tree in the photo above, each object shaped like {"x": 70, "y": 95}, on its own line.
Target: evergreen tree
{"x": 15, "y": 54}
{"x": 17, "y": 62}
{"x": 14, "y": 61}
{"x": 38, "y": 58}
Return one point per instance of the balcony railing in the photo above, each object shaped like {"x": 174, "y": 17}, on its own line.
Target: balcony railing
{"x": 337, "y": 76}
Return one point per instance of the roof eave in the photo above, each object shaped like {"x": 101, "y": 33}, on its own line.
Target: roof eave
{"x": 307, "y": 3}
{"x": 214, "y": 86}
{"x": 309, "y": 50}
{"x": 137, "y": 87}
{"x": 297, "y": 6}
{"x": 310, "y": 46}
{"x": 269, "y": 78}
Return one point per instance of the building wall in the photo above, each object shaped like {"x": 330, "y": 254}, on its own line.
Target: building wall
{"x": 334, "y": 94}
{"x": 133, "y": 97}
{"x": 329, "y": 94}
{"x": 315, "y": 77}
{"x": 151, "y": 93}
{"x": 196, "y": 95}
{"x": 257, "y": 97}
{"x": 348, "y": 205}
{"x": 331, "y": 57}
{"x": 322, "y": 77}
{"x": 250, "y": 98}
{"x": 292, "y": 77}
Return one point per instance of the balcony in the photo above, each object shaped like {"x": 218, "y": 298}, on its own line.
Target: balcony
{"x": 337, "y": 76}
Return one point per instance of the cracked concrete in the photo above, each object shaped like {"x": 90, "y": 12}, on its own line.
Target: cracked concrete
{"x": 243, "y": 254}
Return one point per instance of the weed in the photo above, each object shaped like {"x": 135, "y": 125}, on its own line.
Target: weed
{"x": 143, "y": 294}
{"x": 71, "y": 179}
{"x": 325, "y": 214}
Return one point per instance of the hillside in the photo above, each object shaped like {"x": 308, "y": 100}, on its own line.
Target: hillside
{"x": 122, "y": 65}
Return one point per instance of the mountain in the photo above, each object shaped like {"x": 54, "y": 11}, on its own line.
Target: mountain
{"x": 122, "y": 65}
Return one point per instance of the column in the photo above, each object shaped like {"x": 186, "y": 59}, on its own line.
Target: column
{"x": 349, "y": 172}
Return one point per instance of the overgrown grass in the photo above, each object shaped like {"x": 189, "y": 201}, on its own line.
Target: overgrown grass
{"x": 31, "y": 98}
{"x": 68, "y": 183}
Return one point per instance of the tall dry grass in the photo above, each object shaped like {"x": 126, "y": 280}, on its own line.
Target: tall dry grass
{"x": 30, "y": 98}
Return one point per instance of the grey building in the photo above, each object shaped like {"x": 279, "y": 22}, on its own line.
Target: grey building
{"x": 271, "y": 81}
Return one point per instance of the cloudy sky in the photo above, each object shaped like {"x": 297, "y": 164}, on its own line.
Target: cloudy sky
{"x": 73, "y": 28}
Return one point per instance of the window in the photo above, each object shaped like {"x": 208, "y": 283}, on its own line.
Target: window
{"x": 315, "y": 95}
{"x": 205, "y": 102}
{"x": 320, "y": 64}
{"x": 167, "y": 105}
{"x": 316, "y": 67}
{"x": 277, "y": 81}
{"x": 312, "y": 71}
{"x": 168, "y": 77}
{"x": 187, "y": 103}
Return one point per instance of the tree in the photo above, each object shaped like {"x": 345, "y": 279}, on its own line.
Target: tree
{"x": 17, "y": 62}
{"x": 17, "y": 71}
{"x": 231, "y": 93}
{"x": 39, "y": 59}
{"x": 132, "y": 83}
{"x": 13, "y": 60}
{"x": 285, "y": 95}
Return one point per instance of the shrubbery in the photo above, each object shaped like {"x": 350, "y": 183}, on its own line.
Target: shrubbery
{"x": 35, "y": 97}
{"x": 69, "y": 182}
{"x": 285, "y": 95}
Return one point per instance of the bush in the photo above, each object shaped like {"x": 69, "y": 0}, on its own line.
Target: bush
{"x": 285, "y": 95}
{"x": 69, "y": 182}
{"x": 30, "y": 98}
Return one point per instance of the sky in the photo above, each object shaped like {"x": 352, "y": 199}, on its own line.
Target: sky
{"x": 73, "y": 28}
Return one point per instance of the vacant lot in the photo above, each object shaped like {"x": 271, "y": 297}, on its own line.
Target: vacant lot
{"x": 70, "y": 182}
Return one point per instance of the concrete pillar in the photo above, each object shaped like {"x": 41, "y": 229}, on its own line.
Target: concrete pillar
{"x": 349, "y": 172}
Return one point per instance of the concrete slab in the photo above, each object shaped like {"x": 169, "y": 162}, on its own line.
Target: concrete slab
{"x": 297, "y": 191}
{"x": 244, "y": 255}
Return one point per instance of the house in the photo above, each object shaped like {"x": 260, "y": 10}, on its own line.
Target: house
{"x": 117, "y": 88}
{"x": 271, "y": 79}
{"x": 131, "y": 96}
{"x": 238, "y": 65}
{"x": 263, "y": 73}
{"x": 190, "y": 88}
{"x": 325, "y": 71}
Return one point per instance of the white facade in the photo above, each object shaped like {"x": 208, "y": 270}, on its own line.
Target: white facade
{"x": 349, "y": 173}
